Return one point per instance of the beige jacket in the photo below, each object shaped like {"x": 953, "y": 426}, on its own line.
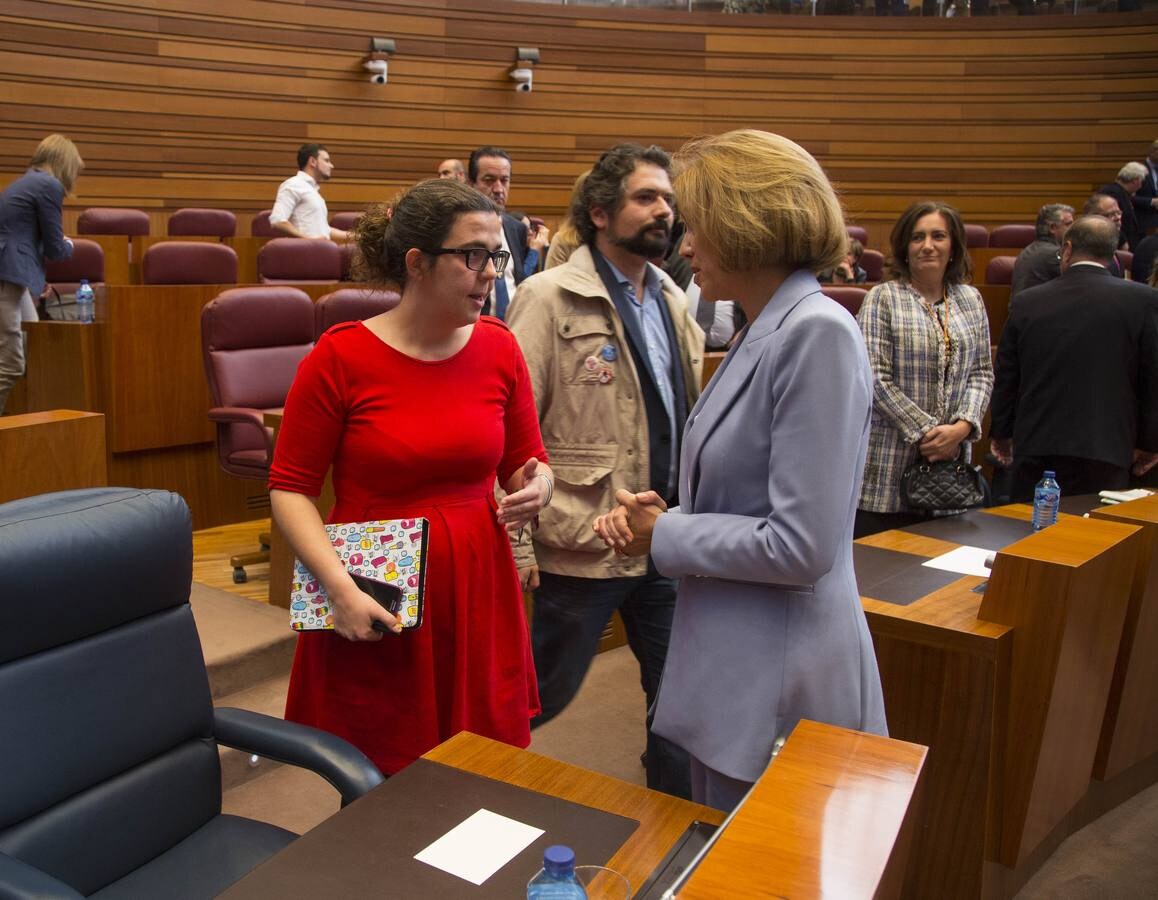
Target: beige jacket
{"x": 595, "y": 432}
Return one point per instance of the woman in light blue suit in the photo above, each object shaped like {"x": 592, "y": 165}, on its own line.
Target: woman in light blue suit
{"x": 30, "y": 232}
{"x": 768, "y": 624}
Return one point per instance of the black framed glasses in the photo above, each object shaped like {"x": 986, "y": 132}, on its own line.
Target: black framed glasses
{"x": 476, "y": 257}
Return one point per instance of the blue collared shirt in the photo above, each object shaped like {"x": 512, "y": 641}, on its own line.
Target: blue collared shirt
{"x": 659, "y": 352}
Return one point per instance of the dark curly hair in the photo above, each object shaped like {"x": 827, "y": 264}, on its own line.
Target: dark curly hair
{"x": 604, "y": 185}
{"x": 421, "y": 217}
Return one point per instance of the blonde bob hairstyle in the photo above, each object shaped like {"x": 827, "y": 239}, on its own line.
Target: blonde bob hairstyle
{"x": 759, "y": 201}
{"x": 58, "y": 156}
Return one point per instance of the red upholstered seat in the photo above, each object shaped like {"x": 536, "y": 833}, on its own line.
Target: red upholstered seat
{"x": 112, "y": 220}
{"x": 873, "y": 263}
{"x": 252, "y": 340}
{"x": 260, "y": 226}
{"x": 1015, "y": 236}
{"x": 859, "y": 234}
{"x": 351, "y": 305}
{"x": 847, "y": 295}
{"x": 192, "y": 221}
{"x": 189, "y": 262}
{"x": 976, "y": 236}
{"x": 87, "y": 261}
{"x": 1126, "y": 260}
{"x": 296, "y": 260}
{"x": 345, "y": 220}
{"x": 1000, "y": 270}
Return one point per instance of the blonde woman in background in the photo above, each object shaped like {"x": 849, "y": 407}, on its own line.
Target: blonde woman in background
{"x": 30, "y": 232}
{"x": 566, "y": 236}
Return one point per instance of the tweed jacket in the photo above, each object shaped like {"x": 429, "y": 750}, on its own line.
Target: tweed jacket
{"x": 918, "y": 383}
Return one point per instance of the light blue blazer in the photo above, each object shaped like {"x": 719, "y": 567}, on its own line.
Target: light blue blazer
{"x": 768, "y": 625}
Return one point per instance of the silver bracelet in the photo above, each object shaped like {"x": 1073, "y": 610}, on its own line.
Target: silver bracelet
{"x": 550, "y": 488}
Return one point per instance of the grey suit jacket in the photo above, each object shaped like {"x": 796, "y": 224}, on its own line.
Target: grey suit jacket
{"x": 30, "y": 230}
{"x": 768, "y": 624}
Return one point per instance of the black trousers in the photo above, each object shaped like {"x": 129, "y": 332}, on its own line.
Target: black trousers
{"x": 1074, "y": 476}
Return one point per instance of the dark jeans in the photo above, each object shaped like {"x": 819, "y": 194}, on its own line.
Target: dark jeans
{"x": 1074, "y": 476}
{"x": 570, "y": 615}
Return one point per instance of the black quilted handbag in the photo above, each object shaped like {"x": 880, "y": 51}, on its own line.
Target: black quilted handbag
{"x": 948, "y": 484}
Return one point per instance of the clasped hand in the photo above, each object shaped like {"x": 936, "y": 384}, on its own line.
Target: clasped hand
{"x": 627, "y": 529}
{"x": 943, "y": 442}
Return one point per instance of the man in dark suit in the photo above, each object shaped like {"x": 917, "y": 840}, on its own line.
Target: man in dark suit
{"x": 1123, "y": 189}
{"x": 489, "y": 172}
{"x": 1077, "y": 373}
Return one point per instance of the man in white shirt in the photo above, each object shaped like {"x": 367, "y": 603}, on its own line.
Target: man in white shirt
{"x": 299, "y": 210}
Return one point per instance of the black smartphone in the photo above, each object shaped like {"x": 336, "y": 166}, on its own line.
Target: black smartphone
{"x": 386, "y": 595}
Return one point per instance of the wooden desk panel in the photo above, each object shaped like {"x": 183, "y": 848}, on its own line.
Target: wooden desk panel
{"x": 59, "y": 450}
{"x": 118, "y": 254}
{"x": 1130, "y": 730}
{"x": 964, "y": 674}
{"x": 246, "y": 248}
{"x": 824, "y": 820}
{"x": 62, "y": 367}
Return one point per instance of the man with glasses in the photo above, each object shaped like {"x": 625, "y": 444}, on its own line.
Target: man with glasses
{"x": 1104, "y": 205}
{"x": 489, "y": 172}
{"x": 1038, "y": 263}
{"x": 615, "y": 363}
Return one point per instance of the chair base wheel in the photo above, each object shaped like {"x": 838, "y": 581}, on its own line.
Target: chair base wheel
{"x": 239, "y": 576}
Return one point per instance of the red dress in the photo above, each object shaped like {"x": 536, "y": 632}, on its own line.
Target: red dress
{"x": 410, "y": 438}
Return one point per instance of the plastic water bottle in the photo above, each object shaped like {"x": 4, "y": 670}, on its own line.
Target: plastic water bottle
{"x": 1046, "y": 497}
{"x": 84, "y": 302}
{"x": 557, "y": 881}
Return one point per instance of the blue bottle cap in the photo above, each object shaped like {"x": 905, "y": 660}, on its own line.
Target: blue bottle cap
{"x": 1049, "y": 474}
{"x": 558, "y": 859}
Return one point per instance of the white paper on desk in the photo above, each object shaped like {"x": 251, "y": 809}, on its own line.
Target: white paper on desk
{"x": 479, "y": 846}
{"x": 965, "y": 560}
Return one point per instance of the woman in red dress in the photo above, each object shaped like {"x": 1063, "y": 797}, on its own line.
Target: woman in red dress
{"x": 418, "y": 410}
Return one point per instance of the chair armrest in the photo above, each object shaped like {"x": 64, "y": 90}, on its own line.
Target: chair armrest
{"x": 20, "y": 881}
{"x": 339, "y": 762}
{"x": 244, "y": 415}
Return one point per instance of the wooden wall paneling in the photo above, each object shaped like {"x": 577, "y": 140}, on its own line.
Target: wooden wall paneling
{"x": 59, "y": 450}
{"x": 1130, "y": 730}
{"x": 1065, "y": 592}
{"x": 177, "y": 89}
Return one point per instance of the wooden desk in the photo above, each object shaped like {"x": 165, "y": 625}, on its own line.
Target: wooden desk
{"x": 827, "y": 819}
{"x": 140, "y": 363}
{"x": 1007, "y": 688}
{"x": 58, "y": 450}
{"x": 831, "y": 773}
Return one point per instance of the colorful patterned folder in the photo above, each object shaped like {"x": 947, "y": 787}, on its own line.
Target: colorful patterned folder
{"x": 392, "y": 551}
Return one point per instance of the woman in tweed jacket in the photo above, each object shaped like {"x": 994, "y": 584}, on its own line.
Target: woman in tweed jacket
{"x": 928, "y": 342}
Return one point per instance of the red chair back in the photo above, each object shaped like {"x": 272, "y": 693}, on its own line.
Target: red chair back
{"x": 196, "y": 222}
{"x": 345, "y": 220}
{"x": 873, "y": 263}
{"x": 350, "y": 305}
{"x": 859, "y": 234}
{"x": 260, "y": 226}
{"x": 189, "y": 262}
{"x": 976, "y": 236}
{"x": 847, "y": 295}
{"x": 1014, "y": 236}
{"x": 87, "y": 261}
{"x": 298, "y": 260}
{"x": 252, "y": 341}
{"x": 112, "y": 220}
{"x": 1000, "y": 270}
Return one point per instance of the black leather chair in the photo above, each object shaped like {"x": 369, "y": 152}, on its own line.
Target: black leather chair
{"x": 110, "y": 783}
